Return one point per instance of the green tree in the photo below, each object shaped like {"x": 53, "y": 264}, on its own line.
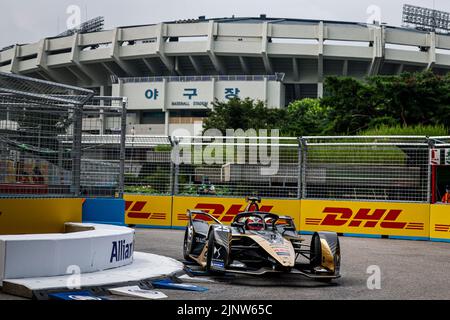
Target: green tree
{"x": 350, "y": 105}
{"x": 306, "y": 117}
{"x": 243, "y": 114}
{"x": 419, "y": 98}
{"x": 408, "y": 99}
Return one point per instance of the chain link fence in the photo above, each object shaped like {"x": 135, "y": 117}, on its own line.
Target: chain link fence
{"x": 58, "y": 140}
{"x": 440, "y": 158}
{"x": 44, "y": 149}
{"x": 237, "y": 166}
{"x": 102, "y": 147}
{"x": 366, "y": 168}
{"x": 148, "y": 166}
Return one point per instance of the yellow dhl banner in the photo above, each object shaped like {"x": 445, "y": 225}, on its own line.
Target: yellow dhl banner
{"x": 225, "y": 209}
{"x": 148, "y": 210}
{"x": 377, "y": 218}
{"x": 22, "y": 216}
{"x": 440, "y": 221}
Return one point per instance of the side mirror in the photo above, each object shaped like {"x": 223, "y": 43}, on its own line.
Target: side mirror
{"x": 239, "y": 225}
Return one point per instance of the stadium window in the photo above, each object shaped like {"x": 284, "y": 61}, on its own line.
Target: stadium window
{"x": 401, "y": 47}
{"x": 192, "y": 39}
{"x": 153, "y": 117}
{"x": 294, "y": 40}
{"x": 189, "y": 113}
{"x": 443, "y": 51}
{"x": 349, "y": 43}
{"x": 5, "y": 63}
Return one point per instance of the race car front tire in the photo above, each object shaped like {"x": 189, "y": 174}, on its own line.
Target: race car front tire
{"x": 209, "y": 253}
{"x": 187, "y": 246}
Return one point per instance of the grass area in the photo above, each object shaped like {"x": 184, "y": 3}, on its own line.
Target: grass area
{"x": 418, "y": 130}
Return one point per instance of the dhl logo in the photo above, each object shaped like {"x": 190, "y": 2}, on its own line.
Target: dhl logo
{"x": 134, "y": 210}
{"x": 442, "y": 227}
{"x": 366, "y": 218}
{"x": 218, "y": 211}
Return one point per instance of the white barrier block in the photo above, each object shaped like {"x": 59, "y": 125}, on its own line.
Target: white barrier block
{"x": 41, "y": 255}
{"x": 2, "y": 261}
{"x": 145, "y": 266}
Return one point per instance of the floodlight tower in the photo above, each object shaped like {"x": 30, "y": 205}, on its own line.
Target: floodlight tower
{"x": 426, "y": 19}
{"x": 92, "y": 25}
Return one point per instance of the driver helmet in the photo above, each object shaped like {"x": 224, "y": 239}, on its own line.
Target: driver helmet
{"x": 254, "y": 223}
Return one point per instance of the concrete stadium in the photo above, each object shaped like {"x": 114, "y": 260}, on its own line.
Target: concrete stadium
{"x": 274, "y": 60}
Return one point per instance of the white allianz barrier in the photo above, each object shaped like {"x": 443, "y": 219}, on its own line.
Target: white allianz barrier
{"x": 83, "y": 248}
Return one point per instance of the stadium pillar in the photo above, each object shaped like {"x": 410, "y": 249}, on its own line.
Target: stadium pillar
{"x": 378, "y": 51}
{"x": 265, "y": 90}
{"x": 266, "y": 33}
{"x": 295, "y": 69}
{"x": 164, "y": 107}
{"x": 50, "y": 74}
{"x": 166, "y": 122}
{"x": 101, "y": 115}
{"x": 431, "y": 41}
{"x": 84, "y": 72}
{"x": 321, "y": 36}
{"x": 15, "y": 60}
{"x": 345, "y": 68}
{"x": 212, "y": 32}
{"x": 320, "y": 90}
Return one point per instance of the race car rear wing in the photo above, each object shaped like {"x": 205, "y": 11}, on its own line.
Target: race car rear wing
{"x": 191, "y": 213}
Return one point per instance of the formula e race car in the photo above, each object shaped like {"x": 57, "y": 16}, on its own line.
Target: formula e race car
{"x": 257, "y": 243}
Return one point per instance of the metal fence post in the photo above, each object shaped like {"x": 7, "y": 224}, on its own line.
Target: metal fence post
{"x": 299, "y": 168}
{"x": 174, "y": 166}
{"x": 430, "y": 179}
{"x": 177, "y": 172}
{"x": 304, "y": 151}
{"x": 171, "y": 181}
{"x": 123, "y": 135}
{"x": 76, "y": 150}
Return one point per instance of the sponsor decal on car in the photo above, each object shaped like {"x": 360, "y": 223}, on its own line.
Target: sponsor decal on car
{"x": 282, "y": 252}
{"x": 218, "y": 264}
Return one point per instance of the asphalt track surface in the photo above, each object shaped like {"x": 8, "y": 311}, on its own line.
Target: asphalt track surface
{"x": 409, "y": 270}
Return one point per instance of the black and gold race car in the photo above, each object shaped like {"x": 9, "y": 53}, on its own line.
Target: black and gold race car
{"x": 259, "y": 242}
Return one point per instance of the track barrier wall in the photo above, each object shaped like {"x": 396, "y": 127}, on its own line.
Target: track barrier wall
{"x": 440, "y": 222}
{"x": 104, "y": 211}
{"x": 373, "y": 219}
{"x": 366, "y": 218}
{"x": 225, "y": 209}
{"x": 148, "y": 211}
{"x": 22, "y": 216}
{"x": 400, "y": 220}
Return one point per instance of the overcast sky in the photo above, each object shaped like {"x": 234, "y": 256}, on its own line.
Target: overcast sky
{"x": 24, "y": 21}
